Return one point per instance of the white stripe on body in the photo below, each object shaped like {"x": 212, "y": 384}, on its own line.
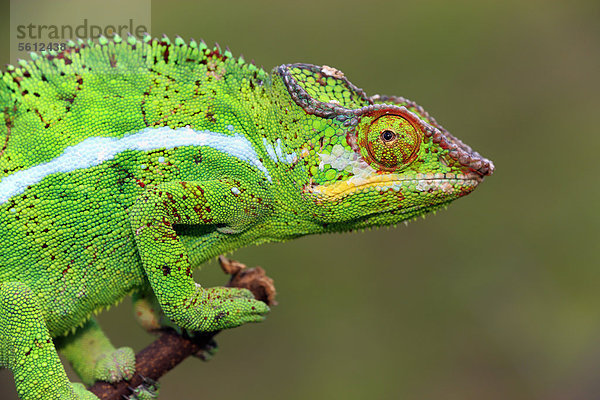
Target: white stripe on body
{"x": 94, "y": 151}
{"x": 276, "y": 152}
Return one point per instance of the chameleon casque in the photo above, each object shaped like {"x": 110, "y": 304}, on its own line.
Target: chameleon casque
{"x": 126, "y": 163}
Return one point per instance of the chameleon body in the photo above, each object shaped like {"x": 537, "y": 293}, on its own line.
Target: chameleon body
{"x": 125, "y": 164}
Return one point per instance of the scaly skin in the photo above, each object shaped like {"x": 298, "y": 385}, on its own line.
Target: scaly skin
{"x": 126, "y": 164}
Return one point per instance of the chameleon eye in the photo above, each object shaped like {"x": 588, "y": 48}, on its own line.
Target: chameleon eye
{"x": 390, "y": 142}
{"x": 388, "y": 136}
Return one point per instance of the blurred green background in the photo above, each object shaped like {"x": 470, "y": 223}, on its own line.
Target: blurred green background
{"x": 497, "y": 297}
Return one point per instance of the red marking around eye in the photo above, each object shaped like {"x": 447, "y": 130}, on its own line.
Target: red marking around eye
{"x": 407, "y": 115}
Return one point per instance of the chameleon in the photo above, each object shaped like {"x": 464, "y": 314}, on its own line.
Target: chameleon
{"x": 127, "y": 163}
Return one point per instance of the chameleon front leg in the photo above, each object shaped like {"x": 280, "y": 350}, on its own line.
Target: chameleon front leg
{"x": 93, "y": 357}
{"x": 26, "y": 348}
{"x": 229, "y": 206}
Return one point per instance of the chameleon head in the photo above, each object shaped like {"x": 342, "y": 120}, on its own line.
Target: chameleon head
{"x": 379, "y": 160}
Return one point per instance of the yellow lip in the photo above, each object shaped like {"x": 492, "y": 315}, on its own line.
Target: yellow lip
{"x": 443, "y": 182}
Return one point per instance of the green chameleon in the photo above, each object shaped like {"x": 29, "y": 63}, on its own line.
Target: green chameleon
{"x": 125, "y": 164}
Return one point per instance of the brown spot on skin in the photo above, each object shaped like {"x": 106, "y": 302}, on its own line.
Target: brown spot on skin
{"x": 219, "y": 316}
{"x": 197, "y": 157}
{"x": 63, "y": 55}
{"x": 39, "y": 114}
{"x": 146, "y": 94}
{"x": 8, "y": 121}
{"x": 166, "y": 55}
{"x": 211, "y": 117}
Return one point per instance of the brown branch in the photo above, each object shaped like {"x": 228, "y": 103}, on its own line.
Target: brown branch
{"x": 170, "y": 348}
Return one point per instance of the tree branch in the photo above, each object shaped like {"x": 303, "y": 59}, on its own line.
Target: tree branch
{"x": 170, "y": 348}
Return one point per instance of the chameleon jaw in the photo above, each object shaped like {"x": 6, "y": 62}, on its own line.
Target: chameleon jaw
{"x": 449, "y": 184}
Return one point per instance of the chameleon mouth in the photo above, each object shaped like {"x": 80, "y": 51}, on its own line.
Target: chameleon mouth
{"x": 449, "y": 184}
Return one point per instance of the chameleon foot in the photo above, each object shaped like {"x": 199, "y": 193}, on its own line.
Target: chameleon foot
{"x": 148, "y": 390}
{"x": 225, "y": 307}
{"x": 116, "y": 366}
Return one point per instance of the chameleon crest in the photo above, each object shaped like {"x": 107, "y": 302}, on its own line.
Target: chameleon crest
{"x": 124, "y": 164}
